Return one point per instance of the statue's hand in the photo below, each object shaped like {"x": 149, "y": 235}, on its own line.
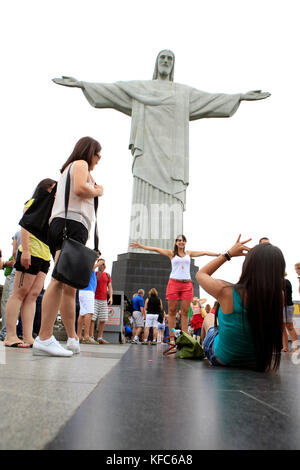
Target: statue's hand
{"x": 255, "y": 95}
{"x": 135, "y": 245}
{"x": 68, "y": 81}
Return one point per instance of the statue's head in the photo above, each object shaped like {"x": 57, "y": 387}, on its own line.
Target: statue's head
{"x": 164, "y": 65}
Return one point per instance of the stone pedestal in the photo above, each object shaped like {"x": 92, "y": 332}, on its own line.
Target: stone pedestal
{"x": 133, "y": 271}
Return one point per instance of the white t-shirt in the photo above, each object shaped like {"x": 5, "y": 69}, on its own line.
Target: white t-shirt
{"x": 181, "y": 267}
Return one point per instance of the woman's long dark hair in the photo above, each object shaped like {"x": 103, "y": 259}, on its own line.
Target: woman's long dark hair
{"x": 45, "y": 184}
{"x": 85, "y": 149}
{"x": 261, "y": 287}
{"x": 175, "y": 249}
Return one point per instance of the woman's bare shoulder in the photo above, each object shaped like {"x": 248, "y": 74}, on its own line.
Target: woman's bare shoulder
{"x": 80, "y": 164}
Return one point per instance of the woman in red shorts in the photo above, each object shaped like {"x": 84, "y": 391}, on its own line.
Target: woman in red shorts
{"x": 180, "y": 286}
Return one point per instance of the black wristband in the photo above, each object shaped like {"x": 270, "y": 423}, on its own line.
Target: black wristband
{"x": 227, "y": 256}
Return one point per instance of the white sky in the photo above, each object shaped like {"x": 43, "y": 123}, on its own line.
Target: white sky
{"x": 244, "y": 171}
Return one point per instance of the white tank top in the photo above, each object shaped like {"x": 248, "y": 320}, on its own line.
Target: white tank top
{"x": 181, "y": 267}
{"x": 79, "y": 209}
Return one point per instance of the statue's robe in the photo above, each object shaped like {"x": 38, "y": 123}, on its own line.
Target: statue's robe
{"x": 159, "y": 142}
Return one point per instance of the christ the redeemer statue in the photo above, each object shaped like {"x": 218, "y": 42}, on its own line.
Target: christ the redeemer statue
{"x": 159, "y": 142}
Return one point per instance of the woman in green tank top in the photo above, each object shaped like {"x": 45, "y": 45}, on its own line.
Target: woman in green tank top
{"x": 249, "y": 331}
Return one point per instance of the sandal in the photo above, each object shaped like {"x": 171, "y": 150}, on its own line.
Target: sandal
{"x": 19, "y": 345}
{"x": 172, "y": 346}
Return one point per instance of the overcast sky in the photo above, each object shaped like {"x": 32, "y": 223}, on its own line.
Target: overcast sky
{"x": 244, "y": 171}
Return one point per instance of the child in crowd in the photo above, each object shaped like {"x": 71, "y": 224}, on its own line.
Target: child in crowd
{"x": 199, "y": 314}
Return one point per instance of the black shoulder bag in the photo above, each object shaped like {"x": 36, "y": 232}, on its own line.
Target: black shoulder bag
{"x": 36, "y": 218}
{"x": 76, "y": 262}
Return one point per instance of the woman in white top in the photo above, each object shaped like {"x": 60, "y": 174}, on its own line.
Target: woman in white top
{"x": 59, "y": 296}
{"x": 180, "y": 286}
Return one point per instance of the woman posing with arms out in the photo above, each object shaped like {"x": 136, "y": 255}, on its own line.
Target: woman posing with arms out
{"x": 32, "y": 265}
{"x": 180, "y": 286}
{"x": 83, "y": 190}
{"x": 249, "y": 333}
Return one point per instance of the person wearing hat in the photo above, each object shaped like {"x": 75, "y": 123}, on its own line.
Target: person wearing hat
{"x": 199, "y": 313}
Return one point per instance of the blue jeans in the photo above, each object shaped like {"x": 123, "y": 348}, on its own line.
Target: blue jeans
{"x": 208, "y": 345}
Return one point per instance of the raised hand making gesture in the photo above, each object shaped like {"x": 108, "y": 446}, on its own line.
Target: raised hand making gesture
{"x": 239, "y": 248}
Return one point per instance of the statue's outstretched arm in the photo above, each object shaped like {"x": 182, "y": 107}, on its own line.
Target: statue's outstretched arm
{"x": 68, "y": 81}
{"x": 255, "y": 95}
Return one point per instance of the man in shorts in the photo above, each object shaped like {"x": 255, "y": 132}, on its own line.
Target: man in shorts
{"x": 87, "y": 302}
{"x": 138, "y": 315}
{"x": 101, "y": 303}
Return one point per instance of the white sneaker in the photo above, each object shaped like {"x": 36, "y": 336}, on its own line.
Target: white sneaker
{"x": 73, "y": 345}
{"x": 51, "y": 348}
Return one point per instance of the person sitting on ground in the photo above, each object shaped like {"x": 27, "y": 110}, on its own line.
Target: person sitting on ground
{"x": 127, "y": 331}
{"x": 249, "y": 333}
{"x": 153, "y": 307}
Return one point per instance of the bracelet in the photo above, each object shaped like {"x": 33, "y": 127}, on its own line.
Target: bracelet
{"x": 227, "y": 256}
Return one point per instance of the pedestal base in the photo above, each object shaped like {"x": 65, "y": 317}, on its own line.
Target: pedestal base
{"x": 133, "y": 271}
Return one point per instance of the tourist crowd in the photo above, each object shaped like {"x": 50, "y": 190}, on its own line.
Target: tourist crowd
{"x": 247, "y": 327}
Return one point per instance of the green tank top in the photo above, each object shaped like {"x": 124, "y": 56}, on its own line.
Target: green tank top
{"x": 234, "y": 344}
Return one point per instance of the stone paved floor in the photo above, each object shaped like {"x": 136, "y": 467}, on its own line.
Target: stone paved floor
{"x": 129, "y": 397}
{"x": 38, "y": 395}
{"x": 153, "y": 402}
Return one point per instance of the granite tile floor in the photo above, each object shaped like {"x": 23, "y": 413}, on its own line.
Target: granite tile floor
{"x": 38, "y": 395}
{"x": 133, "y": 398}
{"x": 155, "y": 402}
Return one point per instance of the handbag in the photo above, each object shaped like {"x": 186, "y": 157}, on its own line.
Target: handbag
{"x": 36, "y": 218}
{"x": 188, "y": 347}
{"x": 76, "y": 262}
{"x": 160, "y": 317}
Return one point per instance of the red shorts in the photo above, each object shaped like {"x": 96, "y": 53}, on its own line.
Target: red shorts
{"x": 178, "y": 290}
